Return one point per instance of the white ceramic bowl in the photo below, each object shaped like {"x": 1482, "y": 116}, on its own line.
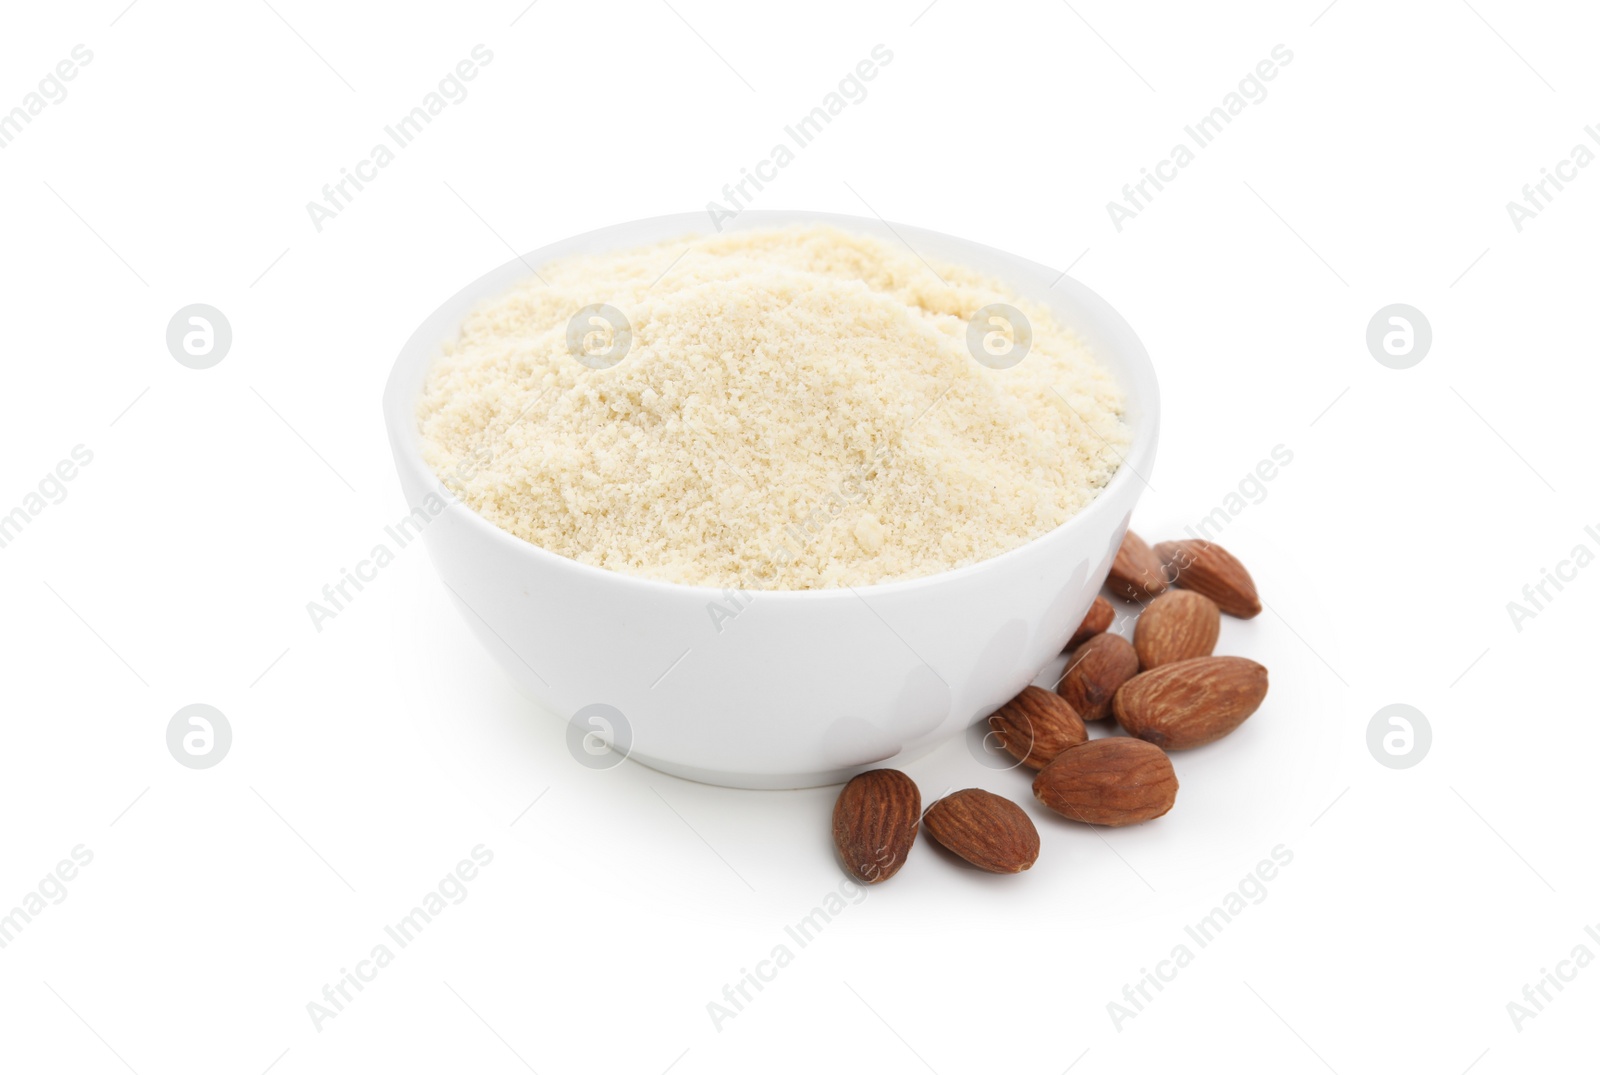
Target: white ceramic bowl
{"x": 802, "y": 687}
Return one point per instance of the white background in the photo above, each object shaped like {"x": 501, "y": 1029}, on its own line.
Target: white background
{"x": 369, "y": 758}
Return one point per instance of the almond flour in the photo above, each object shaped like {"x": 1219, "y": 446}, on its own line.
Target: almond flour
{"x": 797, "y": 408}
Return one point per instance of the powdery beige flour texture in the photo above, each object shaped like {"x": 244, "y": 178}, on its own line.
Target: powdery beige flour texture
{"x": 797, "y": 409}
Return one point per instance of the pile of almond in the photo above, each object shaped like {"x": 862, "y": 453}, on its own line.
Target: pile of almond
{"x": 1165, "y": 689}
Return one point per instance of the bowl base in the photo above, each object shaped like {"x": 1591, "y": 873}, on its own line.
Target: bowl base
{"x": 777, "y": 781}
{"x": 751, "y": 781}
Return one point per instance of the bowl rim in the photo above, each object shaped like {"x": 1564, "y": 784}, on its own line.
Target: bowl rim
{"x": 1131, "y": 367}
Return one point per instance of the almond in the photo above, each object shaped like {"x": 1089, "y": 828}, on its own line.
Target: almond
{"x": 1213, "y": 571}
{"x": 1112, "y": 781}
{"x": 1094, "y": 672}
{"x": 990, "y": 832}
{"x": 1037, "y": 725}
{"x": 1177, "y": 625}
{"x": 1136, "y": 571}
{"x": 875, "y": 824}
{"x": 1190, "y": 703}
{"x": 1098, "y": 619}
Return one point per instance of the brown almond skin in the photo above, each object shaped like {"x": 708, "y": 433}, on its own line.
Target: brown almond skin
{"x": 988, "y": 831}
{"x": 875, "y": 824}
{"x": 1037, "y": 725}
{"x": 1113, "y": 781}
{"x": 1094, "y": 673}
{"x": 1097, "y": 620}
{"x": 1211, "y": 570}
{"x": 1176, "y": 626}
{"x": 1188, "y": 704}
{"x": 1136, "y": 571}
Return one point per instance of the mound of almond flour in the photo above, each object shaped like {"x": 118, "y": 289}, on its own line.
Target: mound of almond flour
{"x": 797, "y": 408}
